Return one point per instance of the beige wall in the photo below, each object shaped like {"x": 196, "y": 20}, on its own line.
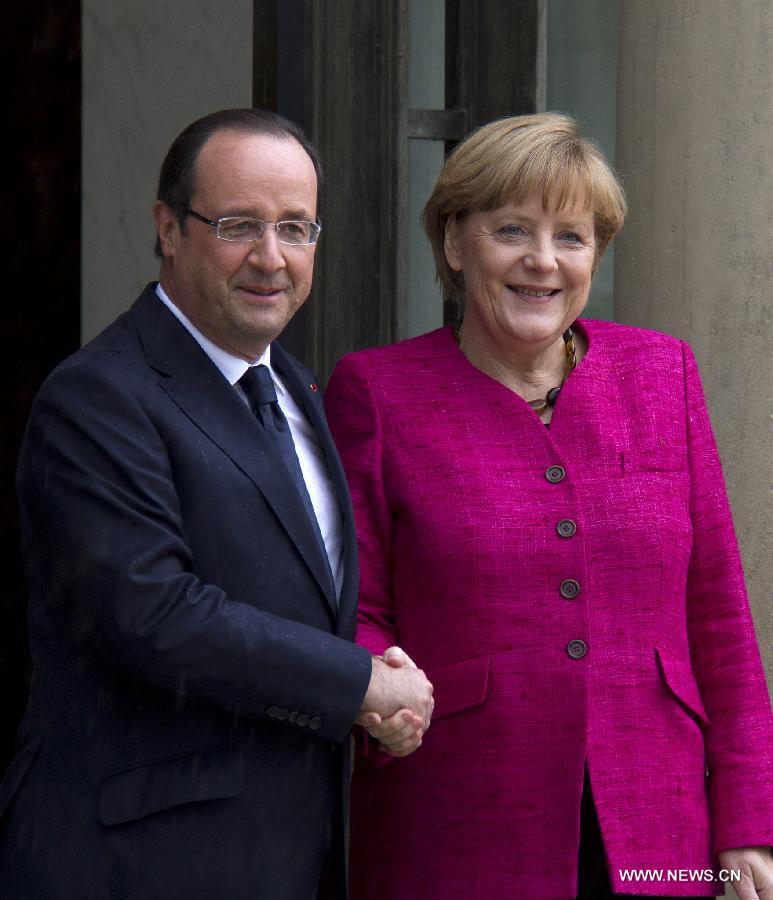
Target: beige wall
{"x": 148, "y": 70}
{"x": 695, "y": 148}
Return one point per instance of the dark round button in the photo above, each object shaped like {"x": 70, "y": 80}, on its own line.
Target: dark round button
{"x": 315, "y": 723}
{"x": 576, "y": 649}
{"x": 272, "y": 711}
{"x": 566, "y": 528}
{"x": 555, "y": 474}
{"x": 302, "y": 720}
{"x": 569, "y": 588}
{"x": 282, "y": 714}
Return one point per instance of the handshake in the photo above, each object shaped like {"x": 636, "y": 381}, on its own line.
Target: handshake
{"x": 398, "y": 704}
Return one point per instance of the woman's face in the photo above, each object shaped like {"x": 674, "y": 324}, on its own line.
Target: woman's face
{"x": 527, "y": 271}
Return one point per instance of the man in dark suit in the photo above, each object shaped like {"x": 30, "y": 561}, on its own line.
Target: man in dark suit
{"x": 191, "y": 559}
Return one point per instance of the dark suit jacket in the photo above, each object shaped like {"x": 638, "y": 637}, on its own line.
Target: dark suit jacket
{"x": 194, "y": 682}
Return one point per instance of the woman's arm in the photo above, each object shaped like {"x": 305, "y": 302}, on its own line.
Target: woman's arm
{"x": 355, "y": 423}
{"x": 723, "y": 648}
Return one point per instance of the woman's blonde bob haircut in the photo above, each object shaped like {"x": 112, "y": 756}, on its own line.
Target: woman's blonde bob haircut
{"x": 513, "y": 160}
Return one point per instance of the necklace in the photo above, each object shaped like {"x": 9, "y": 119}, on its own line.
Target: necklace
{"x": 570, "y": 352}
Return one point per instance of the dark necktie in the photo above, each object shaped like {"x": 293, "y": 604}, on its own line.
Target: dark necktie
{"x": 258, "y": 386}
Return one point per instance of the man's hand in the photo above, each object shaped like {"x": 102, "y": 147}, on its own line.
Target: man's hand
{"x": 398, "y": 705}
{"x": 756, "y": 865}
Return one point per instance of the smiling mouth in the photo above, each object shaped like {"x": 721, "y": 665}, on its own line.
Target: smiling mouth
{"x": 540, "y": 293}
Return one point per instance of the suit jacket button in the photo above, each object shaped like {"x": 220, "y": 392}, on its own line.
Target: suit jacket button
{"x": 282, "y": 714}
{"x": 569, "y": 588}
{"x": 566, "y": 528}
{"x": 577, "y": 649}
{"x": 272, "y": 711}
{"x": 315, "y": 723}
{"x": 293, "y": 716}
{"x": 555, "y": 474}
{"x": 302, "y": 720}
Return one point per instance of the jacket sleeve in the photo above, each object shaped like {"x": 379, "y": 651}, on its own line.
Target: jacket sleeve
{"x": 355, "y": 421}
{"x": 110, "y": 568}
{"x": 725, "y": 655}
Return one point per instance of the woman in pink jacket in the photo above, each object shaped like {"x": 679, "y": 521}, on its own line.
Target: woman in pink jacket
{"x": 543, "y": 527}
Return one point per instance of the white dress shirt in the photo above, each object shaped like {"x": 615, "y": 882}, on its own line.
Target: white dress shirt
{"x": 307, "y": 447}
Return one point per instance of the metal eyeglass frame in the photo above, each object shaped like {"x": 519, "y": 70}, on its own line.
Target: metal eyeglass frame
{"x": 314, "y": 228}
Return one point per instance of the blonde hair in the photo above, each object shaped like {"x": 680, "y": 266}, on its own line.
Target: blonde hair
{"x": 513, "y": 160}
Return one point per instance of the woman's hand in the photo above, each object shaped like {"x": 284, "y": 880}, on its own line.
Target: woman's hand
{"x": 402, "y": 732}
{"x": 756, "y": 865}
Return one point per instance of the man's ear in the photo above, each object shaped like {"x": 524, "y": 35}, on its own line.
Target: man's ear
{"x": 451, "y": 244}
{"x": 167, "y": 227}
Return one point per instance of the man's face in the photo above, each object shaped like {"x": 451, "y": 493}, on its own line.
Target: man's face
{"x": 241, "y": 295}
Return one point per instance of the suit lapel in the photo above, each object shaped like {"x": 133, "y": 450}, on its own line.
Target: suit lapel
{"x": 307, "y": 395}
{"x": 199, "y": 389}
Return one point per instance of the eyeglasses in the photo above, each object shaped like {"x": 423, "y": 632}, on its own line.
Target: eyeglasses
{"x": 246, "y": 230}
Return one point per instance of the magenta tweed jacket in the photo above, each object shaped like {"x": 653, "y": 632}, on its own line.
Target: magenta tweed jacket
{"x": 575, "y": 595}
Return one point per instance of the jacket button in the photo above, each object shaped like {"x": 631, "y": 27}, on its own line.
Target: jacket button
{"x": 271, "y": 712}
{"x": 282, "y": 714}
{"x": 569, "y": 588}
{"x": 555, "y": 474}
{"x": 315, "y": 723}
{"x": 566, "y": 528}
{"x": 577, "y": 649}
{"x": 302, "y": 720}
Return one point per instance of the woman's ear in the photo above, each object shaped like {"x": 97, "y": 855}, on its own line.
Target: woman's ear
{"x": 451, "y": 244}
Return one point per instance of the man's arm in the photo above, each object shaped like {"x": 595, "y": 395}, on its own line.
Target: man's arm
{"x": 111, "y": 569}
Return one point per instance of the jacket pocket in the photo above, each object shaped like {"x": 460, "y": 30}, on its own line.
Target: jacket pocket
{"x": 459, "y": 686}
{"x": 681, "y": 683}
{"x": 16, "y": 772}
{"x": 213, "y": 774}
{"x": 654, "y": 459}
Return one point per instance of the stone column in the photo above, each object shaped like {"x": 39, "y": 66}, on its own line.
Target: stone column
{"x": 695, "y": 259}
